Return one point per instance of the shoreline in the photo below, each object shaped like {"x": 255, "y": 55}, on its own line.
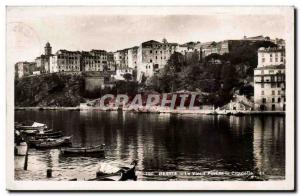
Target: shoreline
{"x": 181, "y": 111}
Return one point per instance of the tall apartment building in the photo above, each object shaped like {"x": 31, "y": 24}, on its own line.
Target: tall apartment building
{"x": 65, "y": 61}
{"x": 75, "y": 61}
{"x": 94, "y": 60}
{"x": 152, "y": 56}
{"x": 269, "y": 79}
{"x": 110, "y": 61}
{"x": 121, "y": 58}
{"x": 132, "y": 57}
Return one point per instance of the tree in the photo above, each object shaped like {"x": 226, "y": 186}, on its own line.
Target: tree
{"x": 127, "y": 77}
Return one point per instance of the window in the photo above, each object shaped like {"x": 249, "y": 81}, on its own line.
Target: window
{"x": 271, "y": 59}
{"x": 262, "y": 85}
{"x": 155, "y": 57}
{"x": 273, "y": 85}
{"x": 272, "y": 78}
{"x": 264, "y": 100}
{"x": 263, "y": 60}
{"x": 273, "y": 100}
{"x": 279, "y": 100}
{"x": 150, "y": 51}
{"x": 150, "y": 60}
{"x": 262, "y": 92}
{"x": 273, "y": 92}
{"x": 279, "y": 92}
{"x": 278, "y": 85}
{"x": 276, "y": 59}
{"x": 273, "y": 107}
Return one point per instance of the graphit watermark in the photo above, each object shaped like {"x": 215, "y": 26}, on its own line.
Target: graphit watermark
{"x": 180, "y": 101}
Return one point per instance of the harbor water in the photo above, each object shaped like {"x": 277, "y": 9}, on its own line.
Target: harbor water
{"x": 166, "y": 146}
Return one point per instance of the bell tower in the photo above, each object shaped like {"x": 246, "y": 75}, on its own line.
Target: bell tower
{"x": 48, "y": 49}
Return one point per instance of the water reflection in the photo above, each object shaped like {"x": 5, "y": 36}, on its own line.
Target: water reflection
{"x": 269, "y": 146}
{"x": 162, "y": 142}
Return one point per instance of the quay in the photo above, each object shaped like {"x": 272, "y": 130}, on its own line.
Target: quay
{"x": 161, "y": 110}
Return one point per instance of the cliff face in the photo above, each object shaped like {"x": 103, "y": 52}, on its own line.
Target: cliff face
{"x": 49, "y": 90}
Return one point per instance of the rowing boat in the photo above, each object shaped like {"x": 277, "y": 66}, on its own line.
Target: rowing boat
{"x": 52, "y": 143}
{"x": 84, "y": 151}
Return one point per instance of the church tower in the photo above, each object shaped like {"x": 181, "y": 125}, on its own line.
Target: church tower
{"x": 48, "y": 49}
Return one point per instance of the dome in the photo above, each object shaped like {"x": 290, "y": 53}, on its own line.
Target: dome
{"x": 47, "y": 44}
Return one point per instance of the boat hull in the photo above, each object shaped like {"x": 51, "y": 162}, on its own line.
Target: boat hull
{"x": 64, "y": 141}
{"x": 98, "y": 151}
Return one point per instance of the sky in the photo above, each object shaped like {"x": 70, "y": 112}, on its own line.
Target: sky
{"x": 28, "y": 29}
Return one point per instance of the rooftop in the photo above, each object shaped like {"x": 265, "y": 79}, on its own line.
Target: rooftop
{"x": 270, "y": 49}
{"x": 281, "y": 66}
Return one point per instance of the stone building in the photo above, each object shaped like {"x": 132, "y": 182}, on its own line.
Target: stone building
{"x": 75, "y": 61}
{"x": 227, "y": 46}
{"x": 269, "y": 79}
{"x": 120, "y": 74}
{"x": 126, "y": 58}
{"x": 94, "y": 60}
{"x": 132, "y": 57}
{"x": 42, "y": 62}
{"x": 25, "y": 68}
{"x": 152, "y": 56}
{"x": 65, "y": 61}
{"x": 95, "y": 81}
{"x": 121, "y": 57}
{"x": 271, "y": 56}
{"x": 111, "y": 66}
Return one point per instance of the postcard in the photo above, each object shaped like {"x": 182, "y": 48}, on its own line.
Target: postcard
{"x": 160, "y": 98}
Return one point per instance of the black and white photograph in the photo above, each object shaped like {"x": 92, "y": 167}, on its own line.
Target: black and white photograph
{"x": 162, "y": 98}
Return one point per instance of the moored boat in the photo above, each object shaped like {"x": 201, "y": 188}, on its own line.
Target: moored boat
{"x": 109, "y": 172}
{"x": 97, "y": 151}
{"x": 52, "y": 134}
{"x": 53, "y": 143}
{"x": 30, "y": 126}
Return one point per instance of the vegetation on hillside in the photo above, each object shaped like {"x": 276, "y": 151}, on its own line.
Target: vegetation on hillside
{"x": 49, "y": 90}
{"x": 219, "y": 75}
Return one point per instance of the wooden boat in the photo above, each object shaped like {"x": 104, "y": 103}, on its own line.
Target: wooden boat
{"x": 34, "y": 142}
{"x": 53, "y": 143}
{"x": 113, "y": 173}
{"x": 33, "y": 126}
{"x": 97, "y": 151}
{"x": 50, "y": 134}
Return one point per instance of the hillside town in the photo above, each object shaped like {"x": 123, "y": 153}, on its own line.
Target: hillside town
{"x": 144, "y": 62}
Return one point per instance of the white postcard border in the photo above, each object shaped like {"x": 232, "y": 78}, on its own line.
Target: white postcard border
{"x": 287, "y": 184}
